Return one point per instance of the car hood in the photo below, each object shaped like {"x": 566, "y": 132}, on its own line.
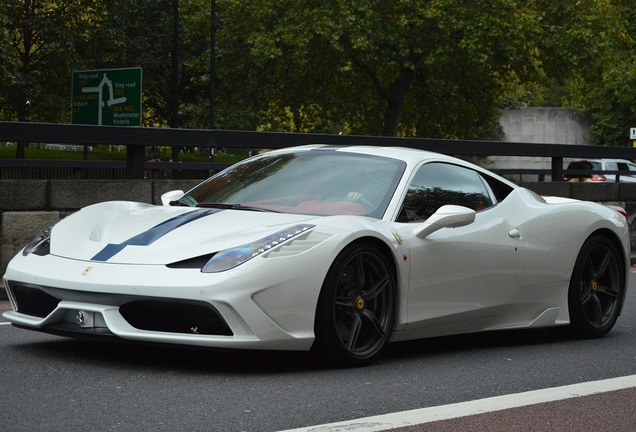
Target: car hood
{"x": 135, "y": 233}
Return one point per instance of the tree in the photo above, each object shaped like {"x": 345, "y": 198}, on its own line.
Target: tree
{"x": 372, "y": 67}
{"x": 42, "y": 39}
{"x": 42, "y": 36}
{"x": 434, "y": 68}
{"x": 604, "y": 84}
{"x": 195, "y": 79}
{"x": 587, "y": 61}
{"x": 137, "y": 34}
{"x": 7, "y": 65}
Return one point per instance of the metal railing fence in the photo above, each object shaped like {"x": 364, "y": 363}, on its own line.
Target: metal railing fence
{"x": 136, "y": 139}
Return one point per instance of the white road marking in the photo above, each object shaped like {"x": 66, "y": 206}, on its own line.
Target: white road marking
{"x": 480, "y": 406}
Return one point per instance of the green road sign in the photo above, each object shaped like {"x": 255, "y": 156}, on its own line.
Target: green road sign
{"x": 110, "y": 97}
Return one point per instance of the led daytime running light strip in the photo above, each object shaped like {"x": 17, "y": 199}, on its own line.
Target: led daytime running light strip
{"x": 231, "y": 258}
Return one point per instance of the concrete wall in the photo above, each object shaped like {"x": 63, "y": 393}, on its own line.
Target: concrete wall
{"x": 539, "y": 126}
{"x": 545, "y": 125}
{"x": 27, "y": 207}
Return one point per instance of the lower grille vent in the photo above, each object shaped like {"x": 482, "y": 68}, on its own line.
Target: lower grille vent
{"x": 33, "y": 301}
{"x": 175, "y": 317}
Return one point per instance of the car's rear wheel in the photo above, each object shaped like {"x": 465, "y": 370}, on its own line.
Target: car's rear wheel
{"x": 356, "y": 308}
{"x": 596, "y": 288}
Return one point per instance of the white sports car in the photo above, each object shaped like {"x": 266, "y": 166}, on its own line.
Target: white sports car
{"x": 340, "y": 250}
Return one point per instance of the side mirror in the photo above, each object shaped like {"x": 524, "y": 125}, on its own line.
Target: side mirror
{"x": 168, "y": 197}
{"x": 448, "y": 216}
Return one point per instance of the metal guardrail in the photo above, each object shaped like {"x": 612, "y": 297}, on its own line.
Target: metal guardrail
{"x": 78, "y": 168}
{"x": 578, "y": 174}
{"x": 137, "y": 138}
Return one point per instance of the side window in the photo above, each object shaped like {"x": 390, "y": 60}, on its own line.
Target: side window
{"x": 611, "y": 166}
{"x": 437, "y": 184}
{"x": 499, "y": 189}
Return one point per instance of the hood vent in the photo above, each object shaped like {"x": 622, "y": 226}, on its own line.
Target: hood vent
{"x": 191, "y": 263}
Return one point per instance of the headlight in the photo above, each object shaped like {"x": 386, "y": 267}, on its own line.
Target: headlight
{"x": 231, "y": 258}
{"x": 40, "y": 245}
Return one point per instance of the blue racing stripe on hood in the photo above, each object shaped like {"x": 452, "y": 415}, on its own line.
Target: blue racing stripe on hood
{"x": 153, "y": 234}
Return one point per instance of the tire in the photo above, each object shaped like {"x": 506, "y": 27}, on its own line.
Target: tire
{"x": 597, "y": 288}
{"x": 356, "y": 307}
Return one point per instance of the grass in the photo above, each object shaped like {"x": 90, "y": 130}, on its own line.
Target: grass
{"x": 112, "y": 153}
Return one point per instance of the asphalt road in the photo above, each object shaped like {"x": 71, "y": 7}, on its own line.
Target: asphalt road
{"x": 49, "y": 383}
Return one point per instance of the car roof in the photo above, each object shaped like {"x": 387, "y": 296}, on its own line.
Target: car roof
{"x": 406, "y": 154}
{"x": 411, "y": 156}
{"x": 603, "y": 160}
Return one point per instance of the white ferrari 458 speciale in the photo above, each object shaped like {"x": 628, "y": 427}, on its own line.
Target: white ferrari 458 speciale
{"x": 340, "y": 250}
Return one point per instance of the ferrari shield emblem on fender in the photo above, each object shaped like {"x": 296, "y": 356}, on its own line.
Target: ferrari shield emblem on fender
{"x": 397, "y": 235}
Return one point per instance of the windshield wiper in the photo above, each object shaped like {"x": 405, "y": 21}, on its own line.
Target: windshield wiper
{"x": 227, "y": 206}
{"x": 178, "y": 203}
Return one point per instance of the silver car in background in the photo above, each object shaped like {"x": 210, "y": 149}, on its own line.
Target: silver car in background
{"x": 610, "y": 165}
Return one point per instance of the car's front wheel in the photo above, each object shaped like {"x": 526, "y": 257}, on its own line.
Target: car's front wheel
{"x": 596, "y": 288}
{"x": 356, "y": 308}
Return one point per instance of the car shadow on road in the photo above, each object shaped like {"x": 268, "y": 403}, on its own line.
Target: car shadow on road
{"x": 479, "y": 341}
{"x": 193, "y": 360}
{"x": 117, "y": 355}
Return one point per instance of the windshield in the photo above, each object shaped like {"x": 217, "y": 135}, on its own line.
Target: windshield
{"x": 317, "y": 182}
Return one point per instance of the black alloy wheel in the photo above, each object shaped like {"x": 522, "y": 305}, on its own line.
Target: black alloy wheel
{"x": 596, "y": 288}
{"x": 356, "y": 308}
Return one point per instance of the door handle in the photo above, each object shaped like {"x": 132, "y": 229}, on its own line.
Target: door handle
{"x": 515, "y": 234}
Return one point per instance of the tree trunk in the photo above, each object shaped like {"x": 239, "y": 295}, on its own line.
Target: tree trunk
{"x": 396, "y": 98}
{"x": 22, "y": 117}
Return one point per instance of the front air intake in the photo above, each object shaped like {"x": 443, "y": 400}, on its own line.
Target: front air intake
{"x": 175, "y": 316}
{"x": 33, "y": 301}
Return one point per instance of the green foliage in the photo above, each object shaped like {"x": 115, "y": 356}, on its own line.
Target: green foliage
{"x": 118, "y": 153}
{"x": 587, "y": 54}
{"x": 432, "y": 68}
{"x": 132, "y": 33}
{"x": 611, "y": 102}
{"x": 605, "y": 87}
{"x": 41, "y": 37}
{"x": 99, "y": 153}
{"x": 385, "y": 67}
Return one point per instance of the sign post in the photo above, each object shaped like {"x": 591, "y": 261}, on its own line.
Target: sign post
{"x": 110, "y": 97}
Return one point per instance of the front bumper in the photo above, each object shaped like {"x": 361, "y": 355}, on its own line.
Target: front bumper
{"x": 265, "y": 304}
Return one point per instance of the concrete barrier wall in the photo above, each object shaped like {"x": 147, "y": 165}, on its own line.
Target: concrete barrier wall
{"x": 540, "y": 125}
{"x": 27, "y": 207}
